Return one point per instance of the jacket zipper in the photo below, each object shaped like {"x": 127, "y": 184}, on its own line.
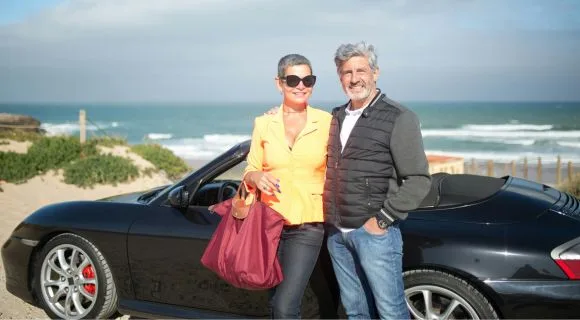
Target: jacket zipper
{"x": 368, "y": 191}
{"x": 336, "y": 215}
{"x": 336, "y": 165}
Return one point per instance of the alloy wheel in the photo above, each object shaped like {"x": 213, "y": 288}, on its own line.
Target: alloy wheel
{"x": 429, "y": 302}
{"x": 68, "y": 281}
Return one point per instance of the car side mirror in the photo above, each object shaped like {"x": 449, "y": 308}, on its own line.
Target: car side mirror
{"x": 179, "y": 197}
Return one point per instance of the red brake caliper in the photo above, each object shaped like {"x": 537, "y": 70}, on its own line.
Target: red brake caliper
{"x": 89, "y": 273}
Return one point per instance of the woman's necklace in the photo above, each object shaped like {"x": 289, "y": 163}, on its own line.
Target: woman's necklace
{"x": 287, "y": 112}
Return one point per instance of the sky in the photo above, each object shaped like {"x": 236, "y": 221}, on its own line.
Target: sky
{"x": 227, "y": 51}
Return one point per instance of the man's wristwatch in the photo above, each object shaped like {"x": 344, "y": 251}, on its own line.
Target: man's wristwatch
{"x": 384, "y": 219}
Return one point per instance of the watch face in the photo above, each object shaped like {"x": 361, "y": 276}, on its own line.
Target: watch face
{"x": 382, "y": 224}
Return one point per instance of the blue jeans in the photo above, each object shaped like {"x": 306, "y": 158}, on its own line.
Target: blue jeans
{"x": 369, "y": 270}
{"x": 297, "y": 252}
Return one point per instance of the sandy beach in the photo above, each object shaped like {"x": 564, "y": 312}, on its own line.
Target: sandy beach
{"x": 19, "y": 200}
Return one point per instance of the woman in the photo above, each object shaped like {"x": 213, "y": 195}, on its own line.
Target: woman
{"x": 287, "y": 163}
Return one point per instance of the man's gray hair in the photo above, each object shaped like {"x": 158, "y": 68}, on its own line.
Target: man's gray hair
{"x": 360, "y": 49}
{"x": 291, "y": 60}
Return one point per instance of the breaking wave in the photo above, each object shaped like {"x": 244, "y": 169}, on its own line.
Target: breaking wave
{"x": 205, "y": 148}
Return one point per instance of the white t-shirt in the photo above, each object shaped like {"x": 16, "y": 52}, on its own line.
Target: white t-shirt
{"x": 349, "y": 122}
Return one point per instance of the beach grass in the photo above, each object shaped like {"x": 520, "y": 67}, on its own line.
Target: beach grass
{"x": 572, "y": 186}
{"x": 163, "y": 159}
{"x": 100, "y": 169}
{"x": 109, "y": 141}
{"x": 20, "y": 135}
{"x": 83, "y": 164}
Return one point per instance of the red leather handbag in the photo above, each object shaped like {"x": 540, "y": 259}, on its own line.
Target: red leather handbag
{"x": 243, "y": 249}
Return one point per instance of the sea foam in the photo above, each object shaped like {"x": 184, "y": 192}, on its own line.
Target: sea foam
{"x": 508, "y": 127}
{"x": 66, "y": 128}
{"x": 205, "y": 148}
{"x": 159, "y": 136}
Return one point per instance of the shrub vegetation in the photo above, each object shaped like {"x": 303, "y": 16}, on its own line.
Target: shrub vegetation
{"x": 19, "y": 135}
{"x": 108, "y": 141}
{"x": 82, "y": 163}
{"x": 162, "y": 159}
{"x": 55, "y": 152}
{"x": 15, "y": 167}
{"x": 100, "y": 169}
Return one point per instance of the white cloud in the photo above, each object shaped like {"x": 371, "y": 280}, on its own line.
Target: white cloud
{"x": 75, "y": 18}
{"x": 196, "y": 50}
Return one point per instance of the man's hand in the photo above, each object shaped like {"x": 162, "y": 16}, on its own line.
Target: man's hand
{"x": 272, "y": 111}
{"x": 372, "y": 227}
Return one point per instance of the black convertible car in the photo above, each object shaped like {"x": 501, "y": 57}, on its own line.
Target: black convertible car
{"x": 478, "y": 247}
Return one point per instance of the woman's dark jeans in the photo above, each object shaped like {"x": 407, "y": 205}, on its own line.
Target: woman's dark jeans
{"x": 298, "y": 251}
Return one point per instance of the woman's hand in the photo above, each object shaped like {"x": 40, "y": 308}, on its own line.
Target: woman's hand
{"x": 264, "y": 181}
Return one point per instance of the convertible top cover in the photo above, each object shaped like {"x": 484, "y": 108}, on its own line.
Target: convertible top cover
{"x": 456, "y": 189}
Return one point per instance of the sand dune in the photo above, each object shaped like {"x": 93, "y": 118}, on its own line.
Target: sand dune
{"x": 19, "y": 200}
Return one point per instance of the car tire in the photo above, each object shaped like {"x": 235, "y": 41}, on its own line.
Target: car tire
{"x": 73, "y": 280}
{"x": 449, "y": 297}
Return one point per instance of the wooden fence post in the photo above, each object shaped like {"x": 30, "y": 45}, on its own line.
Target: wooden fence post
{"x": 525, "y": 167}
{"x": 490, "y": 170}
{"x": 558, "y": 170}
{"x": 83, "y": 126}
{"x": 513, "y": 168}
{"x": 473, "y": 166}
{"x": 539, "y": 174}
{"x": 570, "y": 171}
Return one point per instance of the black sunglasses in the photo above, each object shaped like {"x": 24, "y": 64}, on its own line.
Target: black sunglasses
{"x": 293, "y": 81}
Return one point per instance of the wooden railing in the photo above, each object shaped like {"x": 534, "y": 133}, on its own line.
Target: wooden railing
{"x": 525, "y": 169}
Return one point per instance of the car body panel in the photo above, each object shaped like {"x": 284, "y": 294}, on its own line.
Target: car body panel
{"x": 534, "y": 299}
{"x": 16, "y": 257}
{"x": 166, "y": 267}
{"x": 105, "y": 224}
{"x": 132, "y": 197}
{"x": 488, "y": 251}
{"x": 152, "y": 310}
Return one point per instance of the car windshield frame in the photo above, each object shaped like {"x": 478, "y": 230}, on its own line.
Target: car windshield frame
{"x": 212, "y": 169}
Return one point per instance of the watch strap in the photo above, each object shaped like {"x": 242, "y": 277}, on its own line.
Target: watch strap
{"x": 384, "y": 219}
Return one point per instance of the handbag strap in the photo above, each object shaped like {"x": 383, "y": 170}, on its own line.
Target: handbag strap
{"x": 240, "y": 209}
{"x": 243, "y": 193}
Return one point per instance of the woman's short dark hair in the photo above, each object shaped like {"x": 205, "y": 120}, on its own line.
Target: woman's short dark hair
{"x": 291, "y": 60}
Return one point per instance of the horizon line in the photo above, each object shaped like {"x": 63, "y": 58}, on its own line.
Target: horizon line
{"x": 314, "y": 101}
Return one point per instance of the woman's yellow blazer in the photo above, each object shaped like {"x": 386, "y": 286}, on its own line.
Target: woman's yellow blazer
{"x": 301, "y": 169}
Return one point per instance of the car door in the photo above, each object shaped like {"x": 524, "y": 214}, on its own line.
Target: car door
{"x": 165, "y": 249}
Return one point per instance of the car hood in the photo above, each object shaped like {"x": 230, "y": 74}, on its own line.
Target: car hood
{"x": 132, "y": 197}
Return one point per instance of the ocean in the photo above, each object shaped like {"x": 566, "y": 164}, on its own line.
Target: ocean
{"x": 499, "y": 131}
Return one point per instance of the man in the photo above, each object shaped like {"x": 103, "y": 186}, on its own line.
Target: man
{"x": 376, "y": 172}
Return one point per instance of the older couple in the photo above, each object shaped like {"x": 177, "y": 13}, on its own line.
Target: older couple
{"x": 358, "y": 170}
